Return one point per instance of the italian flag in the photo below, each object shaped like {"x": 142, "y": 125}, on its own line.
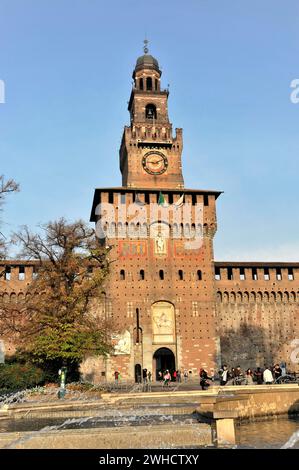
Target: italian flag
{"x": 161, "y": 200}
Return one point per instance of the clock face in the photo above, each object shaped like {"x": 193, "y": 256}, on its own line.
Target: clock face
{"x": 155, "y": 163}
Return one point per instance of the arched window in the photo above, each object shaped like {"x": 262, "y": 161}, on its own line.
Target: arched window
{"x": 156, "y": 84}
{"x": 181, "y": 275}
{"x": 161, "y": 274}
{"x": 141, "y": 275}
{"x": 141, "y": 83}
{"x": 150, "y": 111}
{"x": 199, "y": 275}
{"x": 122, "y": 275}
{"x": 149, "y": 83}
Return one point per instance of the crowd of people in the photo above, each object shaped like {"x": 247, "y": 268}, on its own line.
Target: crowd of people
{"x": 236, "y": 376}
{"x": 233, "y": 376}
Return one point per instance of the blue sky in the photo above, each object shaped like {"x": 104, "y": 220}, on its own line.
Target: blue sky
{"x": 67, "y": 68}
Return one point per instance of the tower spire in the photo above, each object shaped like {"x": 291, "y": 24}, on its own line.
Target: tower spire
{"x": 145, "y": 48}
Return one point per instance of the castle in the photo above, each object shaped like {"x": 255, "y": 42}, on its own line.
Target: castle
{"x": 174, "y": 306}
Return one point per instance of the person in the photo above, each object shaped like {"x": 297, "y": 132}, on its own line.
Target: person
{"x": 185, "y": 375}
{"x": 160, "y": 376}
{"x": 258, "y": 374}
{"x": 224, "y": 375}
{"x": 149, "y": 376}
{"x": 238, "y": 375}
{"x": 249, "y": 377}
{"x": 178, "y": 374}
{"x": 267, "y": 376}
{"x": 116, "y": 376}
{"x": 203, "y": 379}
{"x": 144, "y": 376}
{"x": 277, "y": 372}
{"x": 174, "y": 375}
{"x": 167, "y": 378}
{"x": 283, "y": 368}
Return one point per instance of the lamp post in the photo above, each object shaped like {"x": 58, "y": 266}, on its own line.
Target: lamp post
{"x": 62, "y": 390}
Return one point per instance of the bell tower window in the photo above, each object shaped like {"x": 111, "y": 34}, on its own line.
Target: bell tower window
{"x": 149, "y": 84}
{"x": 141, "y": 83}
{"x": 150, "y": 111}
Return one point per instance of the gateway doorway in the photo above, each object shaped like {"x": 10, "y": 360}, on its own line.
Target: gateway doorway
{"x": 163, "y": 360}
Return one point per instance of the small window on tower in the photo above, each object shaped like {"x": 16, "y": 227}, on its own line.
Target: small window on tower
{"x": 141, "y": 275}
{"x": 181, "y": 275}
{"x": 141, "y": 83}
{"x": 122, "y": 275}
{"x": 161, "y": 274}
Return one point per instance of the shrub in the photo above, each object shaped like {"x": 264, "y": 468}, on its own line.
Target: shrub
{"x": 18, "y": 376}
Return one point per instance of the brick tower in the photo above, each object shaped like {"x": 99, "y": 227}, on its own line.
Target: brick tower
{"x": 161, "y": 289}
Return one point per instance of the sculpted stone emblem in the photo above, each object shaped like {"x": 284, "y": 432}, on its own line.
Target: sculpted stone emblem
{"x": 160, "y": 244}
{"x": 122, "y": 343}
{"x": 162, "y": 321}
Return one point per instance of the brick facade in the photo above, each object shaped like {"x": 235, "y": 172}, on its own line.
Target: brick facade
{"x": 172, "y": 305}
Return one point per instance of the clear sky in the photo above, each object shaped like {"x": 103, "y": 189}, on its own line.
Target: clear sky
{"x": 67, "y": 67}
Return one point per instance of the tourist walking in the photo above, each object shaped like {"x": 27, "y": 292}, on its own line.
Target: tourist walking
{"x": 258, "y": 374}
{"x": 144, "y": 376}
{"x": 224, "y": 375}
{"x": 249, "y": 377}
{"x": 204, "y": 379}
{"x": 185, "y": 375}
{"x": 268, "y": 377}
{"x": 277, "y": 372}
{"x": 167, "y": 378}
{"x": 116, "y": 377}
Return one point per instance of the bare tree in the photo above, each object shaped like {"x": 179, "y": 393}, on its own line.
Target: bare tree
{"x": 6, "y": 187}
{"x": 58, "y": 319}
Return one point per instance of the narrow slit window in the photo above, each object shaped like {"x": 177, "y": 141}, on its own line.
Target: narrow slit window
{"x": 290, "y": 274}
{"x": 254, "y": 274}
{"x": 7, "y": 273}
{"x": 21, "y": 273}
{"x": 242, "y": 274}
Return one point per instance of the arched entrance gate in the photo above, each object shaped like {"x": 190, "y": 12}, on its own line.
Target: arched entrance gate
{"x": 164, "y": 359}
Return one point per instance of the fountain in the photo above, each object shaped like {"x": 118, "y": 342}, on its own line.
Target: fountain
{"x": 157, "y": 419}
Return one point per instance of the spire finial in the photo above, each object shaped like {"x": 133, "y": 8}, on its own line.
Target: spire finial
{"x": 145, "y": 48}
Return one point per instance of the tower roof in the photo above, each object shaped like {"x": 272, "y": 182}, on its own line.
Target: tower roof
{"x": 147, "y": 61}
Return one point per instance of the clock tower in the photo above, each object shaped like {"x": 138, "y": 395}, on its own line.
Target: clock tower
{"x": 160, "y": 292}
{"x": 150, "y": 156}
